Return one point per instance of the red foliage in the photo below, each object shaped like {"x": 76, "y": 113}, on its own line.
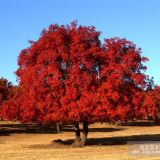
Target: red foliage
{"x": 69, "y": 75}
{"x": 10, "y": 109}
{"x": 151, "y": 106}
{"x": 6, "y": 91}
{"x": 121, "y": 90}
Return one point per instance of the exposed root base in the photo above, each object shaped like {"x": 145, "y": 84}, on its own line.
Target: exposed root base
{"x": 79, "y": 142}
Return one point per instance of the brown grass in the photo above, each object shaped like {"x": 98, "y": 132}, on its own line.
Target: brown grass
{"x": 105, "y": 142}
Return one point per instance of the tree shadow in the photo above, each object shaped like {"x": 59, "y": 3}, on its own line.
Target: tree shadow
{"x": 140, "y": 123}
{"x": 7, "y": 129}
{"x": 120, "y": 140}
{"x": 107, "y": 129}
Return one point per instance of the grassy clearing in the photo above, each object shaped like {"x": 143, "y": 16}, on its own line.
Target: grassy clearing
{"x": 106, "y": 142}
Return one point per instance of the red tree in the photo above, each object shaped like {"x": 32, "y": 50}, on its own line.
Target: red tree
{"x": 151, "y": 106}
{"x": 69, "y": 76}
{"x": 6, "y": 90}
{"x": 10, "y": 109}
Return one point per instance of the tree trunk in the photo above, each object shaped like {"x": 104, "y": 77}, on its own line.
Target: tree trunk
{"x": 85, "y": 133}
{"x": 77, "y": 142}
{"x": 58, "y": 127}
{"x": 156, "y": 119}
{"x": 80, "y": 142}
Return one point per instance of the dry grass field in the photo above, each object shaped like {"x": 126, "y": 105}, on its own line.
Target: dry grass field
{"x": 105, "y": 142}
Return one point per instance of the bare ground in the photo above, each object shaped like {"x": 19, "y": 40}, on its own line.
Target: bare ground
{"x": 105, "y": 142}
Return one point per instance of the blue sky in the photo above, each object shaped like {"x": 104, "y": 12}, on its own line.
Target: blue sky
{"x": 135, "y": 20}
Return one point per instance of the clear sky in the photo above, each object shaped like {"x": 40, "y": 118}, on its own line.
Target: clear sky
{"x": 135, "y": 20}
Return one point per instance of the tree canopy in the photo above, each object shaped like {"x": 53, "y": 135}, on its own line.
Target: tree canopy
{"x": 69, "y": 75}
